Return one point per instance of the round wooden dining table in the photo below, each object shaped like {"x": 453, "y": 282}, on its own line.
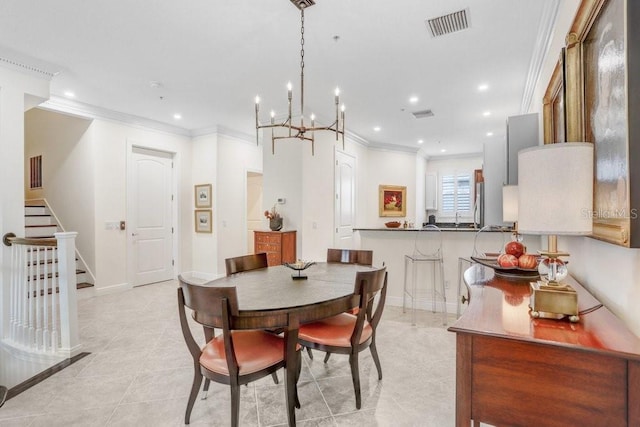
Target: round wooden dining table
{"x": 327, "y": 291}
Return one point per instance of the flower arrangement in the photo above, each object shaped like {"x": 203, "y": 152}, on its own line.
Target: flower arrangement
{"x": 272, "y": 214}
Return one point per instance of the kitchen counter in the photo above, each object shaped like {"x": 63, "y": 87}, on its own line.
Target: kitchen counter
{"x": 390, "y": 245}
{"x": 466, "y": 229}
{"x": 461, "y": 228}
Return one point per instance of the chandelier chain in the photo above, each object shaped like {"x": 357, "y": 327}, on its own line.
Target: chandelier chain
{"x": 302, "y": 132}
{"x": 302, "y": 64}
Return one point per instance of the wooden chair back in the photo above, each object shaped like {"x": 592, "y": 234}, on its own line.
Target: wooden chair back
{"x": 368, "y": 285}
{"x": 217, "y": 307}
{"x": 245, "y": 263}
{"x": 350, "y": 256}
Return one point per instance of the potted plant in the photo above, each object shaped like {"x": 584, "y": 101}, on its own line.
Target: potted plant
{"x": 275, "y": 219}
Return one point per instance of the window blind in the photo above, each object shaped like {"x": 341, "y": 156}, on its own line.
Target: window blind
{"x": 456, "y": 192}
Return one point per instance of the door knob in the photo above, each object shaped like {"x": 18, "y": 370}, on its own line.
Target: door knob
{"x": 134, "y": 234}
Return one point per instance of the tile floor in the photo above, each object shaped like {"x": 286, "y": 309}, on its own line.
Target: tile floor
{"x": 139, "y": 373}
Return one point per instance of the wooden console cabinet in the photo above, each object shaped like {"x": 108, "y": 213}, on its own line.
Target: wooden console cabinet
{"x": 280, "y": 246}
{"x": 513, "y": 370}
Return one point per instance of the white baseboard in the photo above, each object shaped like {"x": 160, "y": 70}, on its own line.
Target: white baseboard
{"x": 105, "y": 290}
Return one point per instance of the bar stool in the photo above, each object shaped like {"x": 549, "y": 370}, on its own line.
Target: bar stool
{"x": 485, "y": 245}
{"x": 427, "y": 250}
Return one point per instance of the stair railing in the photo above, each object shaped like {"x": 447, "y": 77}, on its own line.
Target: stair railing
{"x": 43, "y": 310}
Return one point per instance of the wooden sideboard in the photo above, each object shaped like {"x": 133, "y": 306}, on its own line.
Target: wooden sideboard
{"x": 280, "y": 246}
{"x": 514, "y": 370}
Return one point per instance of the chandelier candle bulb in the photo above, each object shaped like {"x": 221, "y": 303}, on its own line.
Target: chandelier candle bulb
{"x": 300, "y": 130}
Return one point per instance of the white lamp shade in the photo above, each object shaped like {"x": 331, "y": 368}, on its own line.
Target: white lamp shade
{"x": 555, "y": 186}
{"x": 510, "y": 203}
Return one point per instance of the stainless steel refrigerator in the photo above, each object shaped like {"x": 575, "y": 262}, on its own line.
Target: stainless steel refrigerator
{"x": 478, "y": 205}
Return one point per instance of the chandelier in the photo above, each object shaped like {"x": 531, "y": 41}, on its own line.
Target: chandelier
{"x": 302, "y": 132}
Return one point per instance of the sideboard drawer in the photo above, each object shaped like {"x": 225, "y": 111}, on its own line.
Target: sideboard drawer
{"x": 280, "y": 246}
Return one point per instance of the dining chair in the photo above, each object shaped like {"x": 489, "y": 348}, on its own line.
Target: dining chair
{"x": 234, "y": 357}
{"x": 350, "y": 256}
{"x": 347, "y": 256}
{"x": 249, "y": 262}
{"x": 350, "y": 334}
{"x": 245, "y": 263}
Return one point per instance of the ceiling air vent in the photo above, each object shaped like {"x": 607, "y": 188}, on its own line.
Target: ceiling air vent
{"x": 422, "y": 114}
{"x": 447, "y": 24}
{"x": 303, "y": 4}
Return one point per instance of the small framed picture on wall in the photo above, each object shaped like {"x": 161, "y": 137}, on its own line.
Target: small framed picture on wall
{"x": 203, "y": 195}
{"x": 203, "y": 220}
{"x": 392, "y": 200}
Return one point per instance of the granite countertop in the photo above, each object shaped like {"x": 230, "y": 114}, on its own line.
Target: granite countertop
{"x": 459, "y": 229}
{"x": 463, "y": 227}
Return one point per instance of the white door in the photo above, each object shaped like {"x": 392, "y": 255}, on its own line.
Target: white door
{"x": 345, "y": 183}
{"x": 150, "y": 216}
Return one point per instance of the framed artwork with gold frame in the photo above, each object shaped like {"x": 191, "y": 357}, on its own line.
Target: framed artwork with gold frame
{"x": 392, "y": 200}
{"x": 553, "y": 105}
{"x": 203, "y": 220}
{"x": 602, "y": 79}
{"x": 202, "y": 195}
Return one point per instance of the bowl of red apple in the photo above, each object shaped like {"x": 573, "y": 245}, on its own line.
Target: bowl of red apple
{"x": 513, "y": 262}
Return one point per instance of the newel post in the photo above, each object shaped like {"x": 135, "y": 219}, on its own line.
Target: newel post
{"x": 70, "y": 340}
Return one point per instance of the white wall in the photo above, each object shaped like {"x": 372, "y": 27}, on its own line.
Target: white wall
{"x": 65, "y": 143}
{"x": 204, "y": 169}
{"x": 610, "y": 272}
{"x": 15, "y": 90}
{"x": 385, "y": 167}
{"x": 236, "y": 156}
{"x": 111, "y": 144}
{"x": 307, "y": 183}
{"x": 420, "y": 215}
{"x": 283, "y": 178}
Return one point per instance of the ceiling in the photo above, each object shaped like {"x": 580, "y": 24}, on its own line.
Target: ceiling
{"x": 209, "y": 59}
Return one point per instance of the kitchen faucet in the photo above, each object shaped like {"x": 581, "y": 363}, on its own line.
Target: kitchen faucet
{"x": 457, "y": 219}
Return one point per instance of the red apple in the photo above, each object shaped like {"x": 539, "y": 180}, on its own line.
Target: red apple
{"x": 528, "y": 261}
{"x": 507, "y": 260}
{"x": 514, "y": 248}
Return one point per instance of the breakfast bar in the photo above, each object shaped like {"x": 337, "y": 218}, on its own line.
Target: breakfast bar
{"x": 390, "y": 245}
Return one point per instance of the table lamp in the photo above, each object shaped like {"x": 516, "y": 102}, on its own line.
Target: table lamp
{"x": 555, "y": 186}
{"x": 510, "y": 208}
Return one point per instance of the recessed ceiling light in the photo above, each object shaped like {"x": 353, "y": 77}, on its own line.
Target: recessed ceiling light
{"x": 177, "y": 116}
{"x": 486, "y": 113}
{"x": 420, "y": 141}
{"x": 443, "y": 150}
{"x": 376, "y": 128}
{"x": 483, "y": 87}
{"x": 413, "y": 99}
{"x": 69, "y": 94}
{"x": 489, "y": 133}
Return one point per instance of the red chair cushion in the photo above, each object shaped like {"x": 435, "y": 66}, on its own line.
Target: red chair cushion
{"x": 334, "y": 331}
{"x": 255, "y": 350}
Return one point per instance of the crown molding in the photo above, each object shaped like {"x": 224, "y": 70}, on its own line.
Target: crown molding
{"x": 540, "y": 51}
{"x": 221, "y": 130}
{"x": 18, "y": 61}
{"x": 87, "y": 111}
